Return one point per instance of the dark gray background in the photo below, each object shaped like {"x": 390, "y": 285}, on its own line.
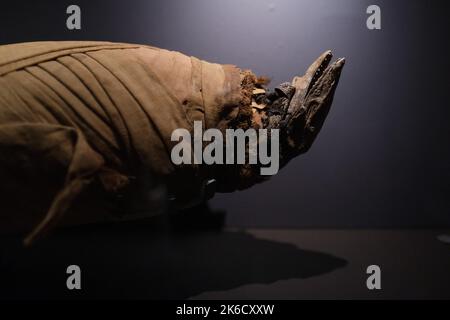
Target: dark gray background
{"x": 383, "y": 157}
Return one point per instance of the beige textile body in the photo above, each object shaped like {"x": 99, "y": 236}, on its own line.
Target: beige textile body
{"x": 74, "y": 114}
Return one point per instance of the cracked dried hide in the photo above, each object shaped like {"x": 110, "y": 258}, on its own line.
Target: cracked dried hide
{"x": 90, "y": 123}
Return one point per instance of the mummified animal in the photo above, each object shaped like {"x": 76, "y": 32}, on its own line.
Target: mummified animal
{"x": 84, "y": 121}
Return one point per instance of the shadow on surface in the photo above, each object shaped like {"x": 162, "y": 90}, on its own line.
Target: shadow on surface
{"x": 139, "y": 260}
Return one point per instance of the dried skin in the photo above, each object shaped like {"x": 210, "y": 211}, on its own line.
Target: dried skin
{"x": 298, "y": 109}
